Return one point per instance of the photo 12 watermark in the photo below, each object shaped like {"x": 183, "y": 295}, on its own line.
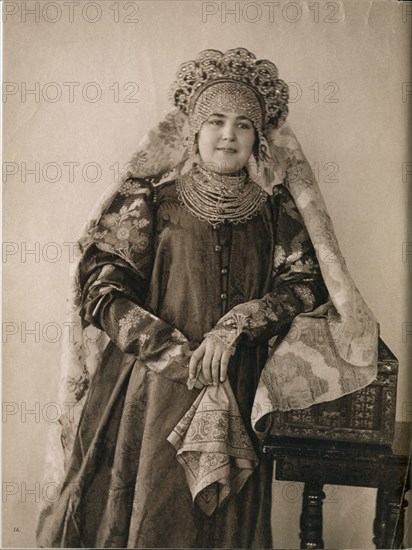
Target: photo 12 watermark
{"x": 406, "y": 172}
{"x": 272, "y": 12}
{"x": 70, "y": 171}
{"x": 406, "y": 91}
{"x": 60, "y": 172}
{"x": 70, "y": 92}
{"x": 49, "y": 332}
{"x": 71, "y": 12}
{"x": 36, "y": 252}
{"x": 406, "y": 11}
{"x": 407, "y": 333}
{"x": 316, "y": 92}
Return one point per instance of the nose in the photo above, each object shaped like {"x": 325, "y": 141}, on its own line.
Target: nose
{"x": 228, "y": 132}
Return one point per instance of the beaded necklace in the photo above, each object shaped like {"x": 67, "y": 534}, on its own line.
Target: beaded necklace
{"x": 219, "y": 198}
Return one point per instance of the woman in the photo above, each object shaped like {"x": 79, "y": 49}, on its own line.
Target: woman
{"x": 190, "y": 273}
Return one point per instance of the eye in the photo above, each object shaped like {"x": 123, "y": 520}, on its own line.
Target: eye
{"x": 215, "y": 121}
{"x": 245, "y": 124}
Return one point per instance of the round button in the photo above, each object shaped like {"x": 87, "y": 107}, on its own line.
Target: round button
{"x": 223, "y": 296}
{"x": 218, "y": 248}
{"x": 223, "y": 271}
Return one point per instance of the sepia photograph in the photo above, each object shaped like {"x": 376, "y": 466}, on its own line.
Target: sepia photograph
{"x": 206, "y": 294}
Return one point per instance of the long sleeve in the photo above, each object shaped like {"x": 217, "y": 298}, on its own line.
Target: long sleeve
{"x": 114, "y": 277}
{"x": 297, "y": 284}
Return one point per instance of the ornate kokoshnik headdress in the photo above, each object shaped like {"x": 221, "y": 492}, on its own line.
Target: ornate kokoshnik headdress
{"x": 234, "y": 81}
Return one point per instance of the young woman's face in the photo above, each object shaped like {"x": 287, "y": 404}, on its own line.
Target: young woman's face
{"x": 226, "y": 142}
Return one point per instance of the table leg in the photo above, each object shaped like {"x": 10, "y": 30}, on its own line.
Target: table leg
{"x": 311, "y": 522}
{"x": 379, "y": 524}
{"x": 395, "y": 523}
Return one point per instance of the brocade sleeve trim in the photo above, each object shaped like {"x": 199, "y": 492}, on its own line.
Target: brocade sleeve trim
{"x": 136, "y": 331}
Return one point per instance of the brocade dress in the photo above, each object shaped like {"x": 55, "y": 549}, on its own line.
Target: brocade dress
{"x": 155, "y": 276}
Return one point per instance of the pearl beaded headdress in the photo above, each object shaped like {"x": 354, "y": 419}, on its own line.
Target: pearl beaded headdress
{"x": 234, "y": 81}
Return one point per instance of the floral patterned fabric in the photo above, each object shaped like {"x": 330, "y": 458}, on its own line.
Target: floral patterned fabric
{"x": 332, "y": 349}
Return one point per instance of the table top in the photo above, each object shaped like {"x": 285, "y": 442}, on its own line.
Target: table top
{"x": 284, "y": 447}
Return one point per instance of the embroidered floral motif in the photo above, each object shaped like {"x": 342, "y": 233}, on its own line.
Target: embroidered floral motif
{"x": 303, "y": 292}
{"x": 129, "y": 188}
{"x": 279, "y": 257}
{"x": 290, "y": 210}
{"x": 167, "y": 130}
{"x": 129, "y": 321}
{"x": 177, "y": 337}
{"x": 143, "y": 338}
{"x": 300, "y": 266}
{"x": 79, "y": 386}
{"x": 298, "y": 170}
{"x": 123, "y": 232}
{"x": 250, "y": 318}
{"x": 268, "y": 312}
{"x": 211, "y": 426}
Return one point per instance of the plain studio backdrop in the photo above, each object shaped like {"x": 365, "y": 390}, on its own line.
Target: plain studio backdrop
{"x": 84, "y": 83}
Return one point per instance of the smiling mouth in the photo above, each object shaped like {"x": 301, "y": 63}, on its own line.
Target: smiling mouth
{"x": 227, "y": 149}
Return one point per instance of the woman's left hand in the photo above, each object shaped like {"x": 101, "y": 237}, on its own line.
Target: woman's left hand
{"x": 214, "y": 359}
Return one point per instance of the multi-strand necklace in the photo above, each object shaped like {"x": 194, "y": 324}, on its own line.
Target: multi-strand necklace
{"x": 219, "y": 198}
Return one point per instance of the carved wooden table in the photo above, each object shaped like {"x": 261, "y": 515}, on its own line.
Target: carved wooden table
{"x": 316, "y": 463}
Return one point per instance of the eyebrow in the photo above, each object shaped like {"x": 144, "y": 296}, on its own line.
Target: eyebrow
{"x": 241, "y": 117}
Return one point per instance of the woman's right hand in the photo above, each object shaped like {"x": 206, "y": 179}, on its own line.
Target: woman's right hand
{"x": 209, "y": 363}
{"x": 200, "y": 382}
